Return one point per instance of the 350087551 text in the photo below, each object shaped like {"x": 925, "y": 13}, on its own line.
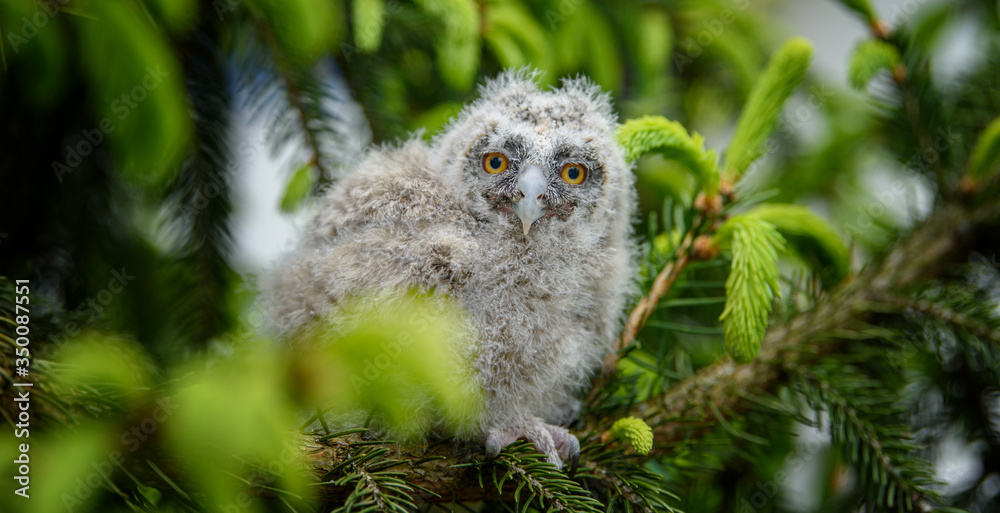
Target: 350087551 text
{"x": 22, "y": 361}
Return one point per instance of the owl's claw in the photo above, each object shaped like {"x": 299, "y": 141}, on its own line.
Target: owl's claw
{"x": 567, "y": 445}
{"x": 574, "y": 462}
{"x": 500, "y": 438}
{"x": 556, "y": 443}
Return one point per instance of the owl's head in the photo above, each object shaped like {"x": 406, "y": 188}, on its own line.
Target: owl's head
{"x": 529, "y": 159}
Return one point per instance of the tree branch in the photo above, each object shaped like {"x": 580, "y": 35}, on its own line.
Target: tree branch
{"x": 690, "y": 408}
{"x": 294, "y": 95}
{"x": 647, "y": 304}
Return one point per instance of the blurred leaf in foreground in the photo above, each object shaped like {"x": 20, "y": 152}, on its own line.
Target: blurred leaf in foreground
{"x": 406, "y": 358}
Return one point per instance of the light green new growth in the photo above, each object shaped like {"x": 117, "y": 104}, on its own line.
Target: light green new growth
{"x": 458, "y": 45}
{"x": 870, "y": 58}
{"x": 752, "y": 284}
{"x": 986, "y": 155}
{"x": 401, "y": 358}
{"x": 810, "y": 237}
{"x": 300, "y": 186}
{"x": 760, "y": 115}
{"x": 369, "y": 22}
{"x": 635, "y": 432}
{"x": 861, "y": 7}
{"x": 670, "y": 139}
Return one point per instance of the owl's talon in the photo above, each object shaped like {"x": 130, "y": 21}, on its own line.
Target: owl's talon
{"x": 574, "y": 461}
{"x": 565, "y": 442}
{"x": 556, "y": 443}
{"x": 500, "y": 438}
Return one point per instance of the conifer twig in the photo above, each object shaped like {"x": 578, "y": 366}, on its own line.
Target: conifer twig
{"x": 294, "y": 95}
{"x": 710, "y": 208}
{"x": 943, "y": 314}
{"x": 911, "y": 108}
{"x": 646, "y": 304}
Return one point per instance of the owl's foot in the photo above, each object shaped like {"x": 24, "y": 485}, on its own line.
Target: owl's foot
{"x": 555, "y": 442}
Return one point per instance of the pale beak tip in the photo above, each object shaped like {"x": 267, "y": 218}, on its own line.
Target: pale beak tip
{"x": 527, "y": 227}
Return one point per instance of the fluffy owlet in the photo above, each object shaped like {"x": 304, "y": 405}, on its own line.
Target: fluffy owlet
{"x": 521, "y": 211}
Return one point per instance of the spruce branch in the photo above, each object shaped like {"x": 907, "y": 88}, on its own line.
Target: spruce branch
{"x": 946, "y": 237}
{"x": 912, "y": 93}
{"x": 911, "y": 75}
{"x": 203, "y": 204}
{"x": 944, "y": 313}
{"x": 692, "y": 407}
{"x": 548, "y": 488}
{"x": 883, "y": 454}
{"x": 370, "y": 479}
{"x": 617, "y": 479}
{"x": 657, "y": 134}
{"x": 295, "y": 96}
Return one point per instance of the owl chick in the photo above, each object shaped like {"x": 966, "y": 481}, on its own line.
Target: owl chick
{"x": 520, "y": 210}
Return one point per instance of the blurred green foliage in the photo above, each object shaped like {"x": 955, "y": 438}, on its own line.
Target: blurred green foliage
{"x": 986, "y": 154}
{"x": 869, "y": 59}
{"x": 232, "y": 424}
{"x": 404, "y": 360}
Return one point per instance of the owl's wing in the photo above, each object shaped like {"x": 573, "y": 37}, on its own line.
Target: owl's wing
{"x": 393, "y": 223}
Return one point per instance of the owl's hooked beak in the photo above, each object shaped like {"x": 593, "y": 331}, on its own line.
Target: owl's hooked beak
{"x": 532, "y": 185}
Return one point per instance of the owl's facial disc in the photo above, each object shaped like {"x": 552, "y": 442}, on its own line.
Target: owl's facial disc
{"x": 532, "y": 184}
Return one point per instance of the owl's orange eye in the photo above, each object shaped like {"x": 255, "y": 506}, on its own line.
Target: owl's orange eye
{"x": 574, "y": 173}
{"x": 495, "y": 163}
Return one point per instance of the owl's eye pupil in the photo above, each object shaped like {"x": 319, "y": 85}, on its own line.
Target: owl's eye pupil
{"x": 573, "y": 173}
{"x": 496, "y": 162}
